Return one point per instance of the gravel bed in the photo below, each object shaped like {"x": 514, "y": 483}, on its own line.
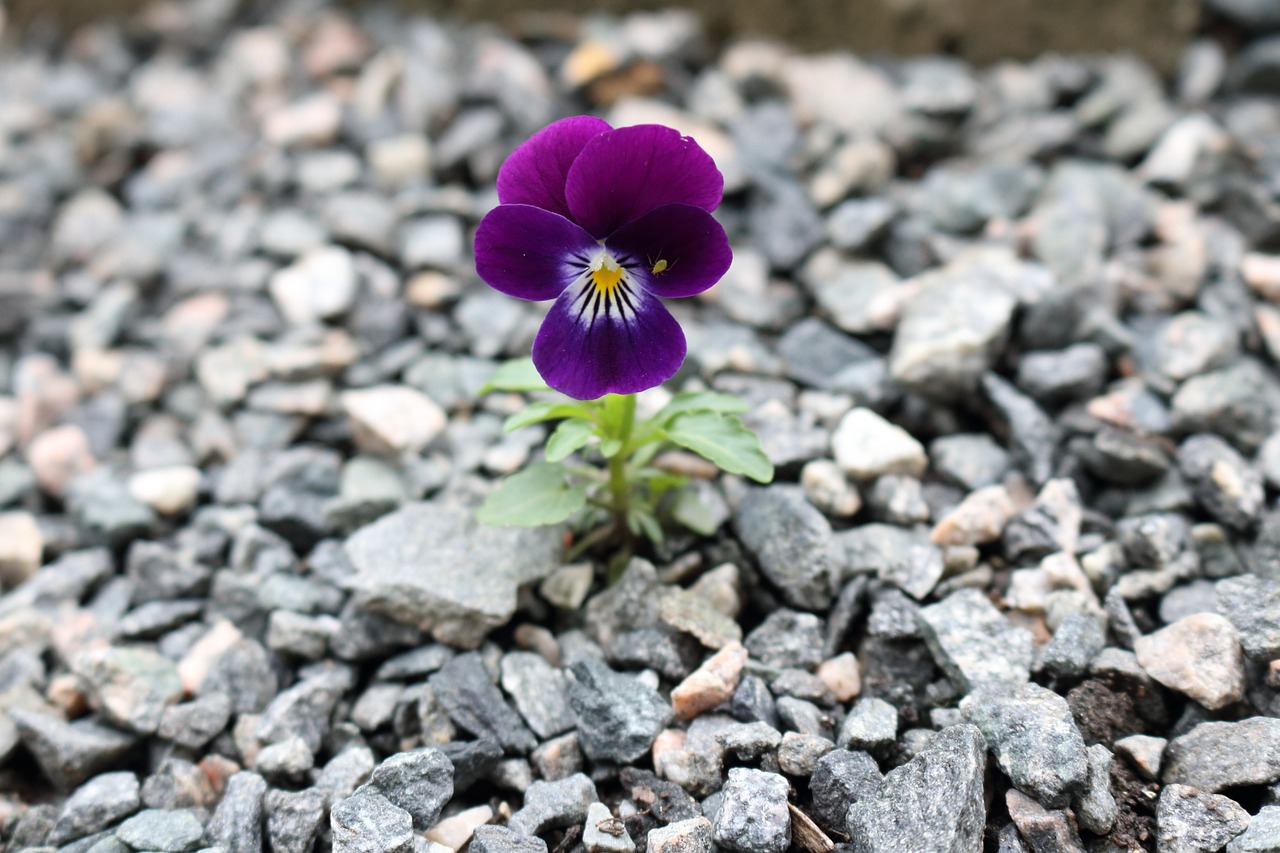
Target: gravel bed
{"x": 1008, "y": 334}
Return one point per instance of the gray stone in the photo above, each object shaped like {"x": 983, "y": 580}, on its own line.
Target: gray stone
{"x": 933, "y": 802}
{"x": 1238, "y": 402}
{"x": 1033, "y": 437}
{"x": 950, "y": 334}
{"x": 791, "y": 541}
{"x": 554, "y": 805}
{"x": 177, "y": 784}
{"x": 871, "y": 726}
{"x": 367, "y": 822}
{"x": 420, "y": 782}
{"x": 604, "y": 833}
{"x": 853, "y": 224}
{"x": 749, "y": 740}
{"x": 1262, "y": 836}
{"x": 294, "y": 819}
{"x": 840, "y": 779}
{"x": 345, "y": 772}
{"x": 618, "y": 716}
{"x": 1074, "y": 373}
{"x": 538, "y": 688}
{"x": 753, "y": 816}
{"x": 1253, "y": 606}
{"x": 787, "y": 639}
{"x": 1077, "y": 641}
{"x": 1144, "y": 752}
{"x": 69, "y": 753}
{"x": 1034, "y": 740}
{"x": 693, "y": 835}
{"x": 798, "y": 754}
{"x": 500, "y": 839}
{"x": 1190, "y": 821}
{"x": 903, "y": 557}
{"x": 286, "y": 760}
{"x": 236, "y": 824}
{"x": 96, "y": 805}
{"x": 1214, "y": 755}
{"x": 168, "y": 831}
{"x": 193, "y": 724}
{"x": 974, "y": 644}
{"x": 867, "y": 446}
{"x": 971, "y": 460}
{"x": 305, "y": 710}
{"x": 465, "y": 690}
{"x": 477, "y": 569}
{"x": 1095, "y": 806}
{"x": 1227, "y": 487}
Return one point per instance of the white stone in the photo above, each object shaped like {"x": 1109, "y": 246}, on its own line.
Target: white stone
{"x": 399, "y": 159}
{"x": 322, "y": 284}
{"x": 393, "y": 419}
{"x": 169, "y": 490}
{"x": 866, "y": 446}
{"x": 21, "y": 544}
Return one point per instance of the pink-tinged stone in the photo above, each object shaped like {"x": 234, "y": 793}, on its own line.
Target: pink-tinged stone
{"x": 1199, "y": 656}
{"x": 193, "y": 668}
{"x": 8, "y": 424}
{"x": 336, "y": 44}
{"x": 191, "y": 323}
{"x": 842, "y": 675}
{"x": 454, "y": 832}
{"x": 45, "y": 393}
{"x": 667, "y": 741}
{"x": 21, "y": 544}
{"x": 978, "y": 519}
{"x": 711, "y": 684}
{"x": 313, "y": 120}
{"x": 59, "y": 455}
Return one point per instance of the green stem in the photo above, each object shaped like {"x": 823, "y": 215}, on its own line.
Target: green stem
{"x": 621, "y": 417}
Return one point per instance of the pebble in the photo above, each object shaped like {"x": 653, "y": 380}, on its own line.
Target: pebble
{"x": 1223, "y": 483}
{"x": 59, "y": 455}
{"x": 21, "y": 547}
{"x": 1034, "y": 740}
{"x": 867, "y": 446}
{"x": 454, "y": 832}
{"x": 155, "y": 829}
{"x": 618, "y": 716}
{"x": 826, "y": 487}
{"x": 604, "y": 833}
{"x": 1144, "y": 752}
{"x": 1199, "y": 656}
{"x": 132, "y": 686}
{"x": 1043, "y": 829}
{"x": 393, "y": 419}
{"x": 753, "y": 814}
{"x": 500, "y": 839}
{"x": 791, "y": 540}
{"x": 1190, "y": 820}
{"x": 554, "y": 805}
{"x": 320, "y": 285}
{"x": 1262, "y": 835}
{"x": 1217, "y": 755}
{"x": 693, "y": 835}
{"x": 367, "y": 822}
{"x": 473, "y": 701}
{"x": 870, "y": 726}
{"x": 711, "y": 684}
{"x": 171, "y": 490}
{"x": 96, "y": 805}
{"x": 294, "y": 818}
{"x": 933, "y": 802}
{"x": 539, "y": 691}
{"x": 236, "y": 824}
{"x": 974, "y": 643}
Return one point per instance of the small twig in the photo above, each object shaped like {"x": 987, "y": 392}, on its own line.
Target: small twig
{"x": 806, "y": 834}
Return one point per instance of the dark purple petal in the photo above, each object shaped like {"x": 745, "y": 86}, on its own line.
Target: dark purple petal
{"x": 535, "y": 172}
{"x": 679, "y": 250}
{"x": 589, "y": 346}
{"x": 625, "y": 173}
{"x": 530, "y": 253}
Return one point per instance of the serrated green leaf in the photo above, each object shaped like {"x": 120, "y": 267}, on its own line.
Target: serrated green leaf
{"x": 569, "y": 436}
{"x": 724, "y": 441}
{"x": 701, "y": 401}
{"x": 536, "y": 413}
{"x": 540, "y": 494}
{"x": 519, "y": 374}
{"x": 689, "y": 511}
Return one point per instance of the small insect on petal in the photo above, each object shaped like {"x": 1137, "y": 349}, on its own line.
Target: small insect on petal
{"x": 659, "y": 267}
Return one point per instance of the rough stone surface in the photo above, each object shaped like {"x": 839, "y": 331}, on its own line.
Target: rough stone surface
{"x": 753, "y": 814}
{"x": 1189, "y": 820}
{"x": 618, "y": 716}
{"x": 933, "y": 802}
{"x": 1198, "y": 655}
{"x": 791, "y": 541}
{"x": 1215, "y": 755}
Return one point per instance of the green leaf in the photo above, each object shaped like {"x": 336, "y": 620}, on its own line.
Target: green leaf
{"x": 701, "y": 401}
{"x": 611, "y": 447}
{"x": 692, "y": 513}
{"x": 540, "y": 494}
{"x": 536, "y": 413}
{"x": 519, "y": 374}
{"x": 644, "y": 523}
{"x": 569, "y": 436}
{"x": 724, "y": 441}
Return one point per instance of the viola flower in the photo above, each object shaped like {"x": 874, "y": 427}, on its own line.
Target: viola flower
{"x": 605, "y": 222}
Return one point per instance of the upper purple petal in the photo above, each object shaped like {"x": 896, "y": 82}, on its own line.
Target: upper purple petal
{"x": 530, "y": 253}
{"x": 587, "y": 349}
{"x": 535, "y": 172}
{"x": 679, "y": 250}
{"x": 623, "y": 174}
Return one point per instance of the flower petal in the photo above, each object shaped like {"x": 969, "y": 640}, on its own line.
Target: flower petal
{"x": 678, "y": 250}
{"x": 623, "y": 174}
{"x": 530, "y": 253}
{"x": 588, "y": 346}
{"x": 535, "y": 172}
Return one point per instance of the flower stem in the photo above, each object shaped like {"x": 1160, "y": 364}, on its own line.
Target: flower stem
{"x": 620, "y": 417}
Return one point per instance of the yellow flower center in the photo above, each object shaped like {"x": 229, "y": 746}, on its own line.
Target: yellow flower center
{"x": 606, "y": 276}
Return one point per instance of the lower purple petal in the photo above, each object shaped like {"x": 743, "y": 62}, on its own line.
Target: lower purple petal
{"x": 589, "y": 347}
{"x": 530, "y": 253}
{"x": 678, "y": 250}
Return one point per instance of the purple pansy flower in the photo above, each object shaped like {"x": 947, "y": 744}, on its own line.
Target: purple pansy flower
{"x": 604, "y": 222}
